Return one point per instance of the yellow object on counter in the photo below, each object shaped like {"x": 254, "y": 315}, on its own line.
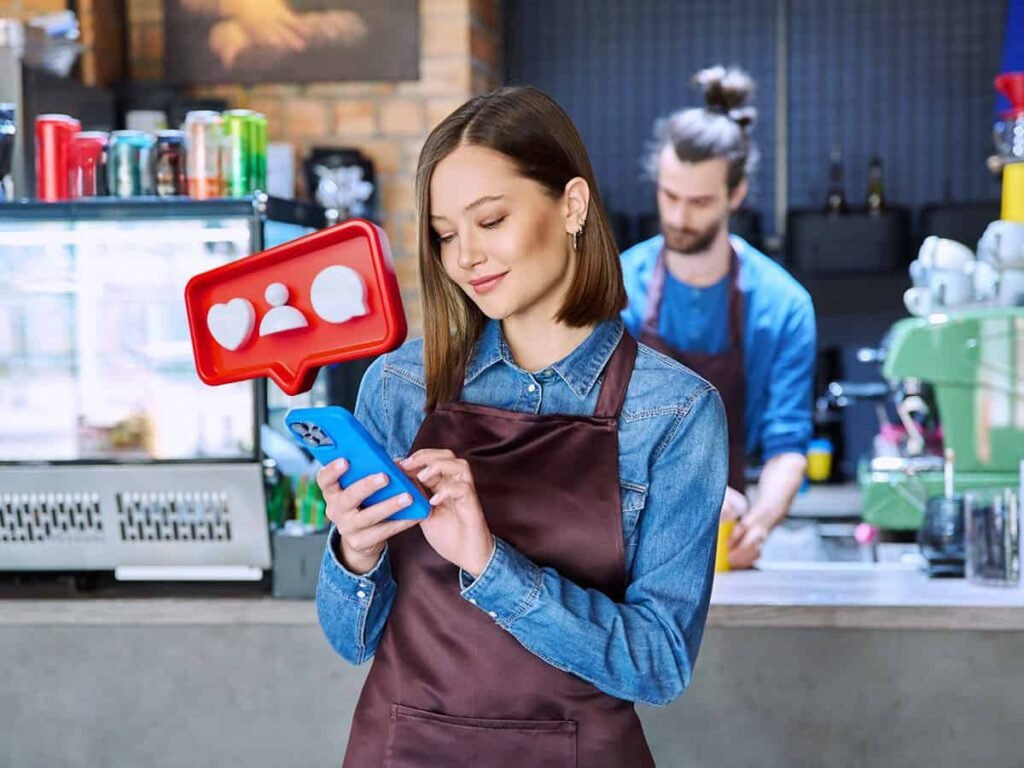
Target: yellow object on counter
{"x": 1013, "y": 192}
{"x": 819, "y": 461}
{"x": 819, "y": 466}
{"x": 722, "y": 549}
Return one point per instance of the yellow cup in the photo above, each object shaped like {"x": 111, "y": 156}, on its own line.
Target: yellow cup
{"x": 819, "y": 466}
{"x": 1013, "y": 192}
{"x": 819, "y": 461}
{"x": 722, "y": 548}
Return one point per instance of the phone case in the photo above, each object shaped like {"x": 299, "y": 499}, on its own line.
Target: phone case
{"x": 332, "y": 432}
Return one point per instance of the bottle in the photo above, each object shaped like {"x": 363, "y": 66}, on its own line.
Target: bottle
{"x": 8, "y": 132}
{"x": 835, "y": 201}
{"x": 876, "y": 192}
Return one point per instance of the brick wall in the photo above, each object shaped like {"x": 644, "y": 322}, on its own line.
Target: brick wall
{"x": 460, "y": 56}
{"x": 23, "y": 9}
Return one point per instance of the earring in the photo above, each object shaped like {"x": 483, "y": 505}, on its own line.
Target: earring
{"x": 576, "y": 235}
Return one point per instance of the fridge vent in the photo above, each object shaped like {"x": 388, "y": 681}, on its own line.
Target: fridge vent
{"x": 50, "y": 517}
{"x": 174, "y": 516}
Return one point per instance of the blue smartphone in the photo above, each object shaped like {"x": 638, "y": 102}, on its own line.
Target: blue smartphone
{"x": 332, "y": 432}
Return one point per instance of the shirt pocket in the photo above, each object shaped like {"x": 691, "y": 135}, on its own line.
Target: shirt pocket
{"x": 633, "y": 499}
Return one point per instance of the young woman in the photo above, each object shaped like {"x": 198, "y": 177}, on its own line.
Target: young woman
{"x": 575, "y": 478}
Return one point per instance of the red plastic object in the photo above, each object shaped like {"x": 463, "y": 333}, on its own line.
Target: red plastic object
{"x": 1011, "y": 85}
{"x": 292, "y": 356}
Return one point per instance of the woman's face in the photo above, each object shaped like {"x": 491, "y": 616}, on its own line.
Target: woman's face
{"x": 502, "y": 238}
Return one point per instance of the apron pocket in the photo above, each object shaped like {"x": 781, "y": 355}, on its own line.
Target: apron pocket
{"x": 419, "y": 738}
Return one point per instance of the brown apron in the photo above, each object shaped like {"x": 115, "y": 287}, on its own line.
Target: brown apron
{"x": 448, "y": 686}
{"x": 724, "y": 370}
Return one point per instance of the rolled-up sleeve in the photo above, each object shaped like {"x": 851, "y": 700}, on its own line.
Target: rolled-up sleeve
{"x": 353, "y": 609}
{"x": 786, "y": 422}
{"x": 645, "y": 647}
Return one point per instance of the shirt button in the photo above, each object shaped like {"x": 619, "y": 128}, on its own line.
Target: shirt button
{"x": 360, "y": 594}
{"x": 532, "y": 388}
{"x": 492, "y": 614}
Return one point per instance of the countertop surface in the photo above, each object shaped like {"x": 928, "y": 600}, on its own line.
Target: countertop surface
{"x": 825, "y": 502}
{"x": 868, "y": 596}
{"x": 813, "y": 596}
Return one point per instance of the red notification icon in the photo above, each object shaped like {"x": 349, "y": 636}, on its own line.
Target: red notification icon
{"x": 325, "y": 298}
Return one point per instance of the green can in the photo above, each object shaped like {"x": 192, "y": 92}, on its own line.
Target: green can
{"x": 237, "y": 156}
{"x": 258, "y": 177}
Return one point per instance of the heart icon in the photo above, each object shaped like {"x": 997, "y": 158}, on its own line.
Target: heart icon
{"x": 231, "y": 324}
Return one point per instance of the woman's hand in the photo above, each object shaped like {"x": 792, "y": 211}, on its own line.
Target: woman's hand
{"x": 456, "y": 528}
{"x": 363, "y": 532}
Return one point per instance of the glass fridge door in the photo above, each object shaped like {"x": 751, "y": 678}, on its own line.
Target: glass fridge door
{"x": 95, "y": 355}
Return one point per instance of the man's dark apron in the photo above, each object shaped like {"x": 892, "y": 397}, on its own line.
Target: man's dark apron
{"x": 724, "y": 370}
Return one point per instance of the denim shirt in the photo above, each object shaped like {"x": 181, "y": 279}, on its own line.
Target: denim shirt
{"x": 672, "y": 477}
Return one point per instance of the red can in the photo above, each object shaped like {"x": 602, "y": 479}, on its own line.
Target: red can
{"x": 88, "y": 164}
{"x": 53, "y": 155}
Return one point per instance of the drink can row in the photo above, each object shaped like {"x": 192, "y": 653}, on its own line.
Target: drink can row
{"x": 214, "y": 156}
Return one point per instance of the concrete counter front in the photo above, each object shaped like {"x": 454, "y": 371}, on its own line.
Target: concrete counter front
{"x": 841, "y": 666}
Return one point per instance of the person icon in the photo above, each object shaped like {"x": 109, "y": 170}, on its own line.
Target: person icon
{"x": 281, "y": 317}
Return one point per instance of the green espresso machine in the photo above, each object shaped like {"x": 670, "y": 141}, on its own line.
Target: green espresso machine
{"x": 974, "y": 361}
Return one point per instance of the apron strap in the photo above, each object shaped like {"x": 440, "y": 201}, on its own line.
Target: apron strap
{"x": 655, "y": 292}
{"x": 616, "y": 378}
{"x": 735, "y": 304}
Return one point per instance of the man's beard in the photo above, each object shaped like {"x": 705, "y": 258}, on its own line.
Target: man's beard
{"x": 690, "y": 241}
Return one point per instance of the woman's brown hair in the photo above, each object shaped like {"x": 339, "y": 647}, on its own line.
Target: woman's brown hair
{"x": 537, "y": 136}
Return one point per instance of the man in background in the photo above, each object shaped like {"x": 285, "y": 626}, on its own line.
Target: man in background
{"x": 724, "y": 309}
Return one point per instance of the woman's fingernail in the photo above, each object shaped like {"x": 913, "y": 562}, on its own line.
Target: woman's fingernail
{"x": 382, "y": 479}
{"x": 423, "y": 475}
{"x": 405, "y": 499}
{"x": 435, "y": 499}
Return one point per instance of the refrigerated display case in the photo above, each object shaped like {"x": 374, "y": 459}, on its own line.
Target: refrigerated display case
{"x": 113, "y": 454}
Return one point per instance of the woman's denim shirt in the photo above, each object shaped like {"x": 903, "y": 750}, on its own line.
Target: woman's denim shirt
{"x": 672, "y": 476}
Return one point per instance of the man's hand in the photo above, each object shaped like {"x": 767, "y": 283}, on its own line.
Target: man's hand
{"x": 735, "y": 505}
{"x": 747, "y": 537}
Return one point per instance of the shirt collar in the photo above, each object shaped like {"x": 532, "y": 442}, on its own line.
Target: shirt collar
{"x": 580, "y": 369}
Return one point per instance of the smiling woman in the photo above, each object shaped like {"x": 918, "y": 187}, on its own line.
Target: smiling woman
{"x": 574, "y": 476}
{"x": 507, "y": 176}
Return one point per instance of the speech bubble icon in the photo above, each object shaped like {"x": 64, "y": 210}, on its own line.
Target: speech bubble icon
{"x": 342, "y": 281}
{"x": 338, "y": 294}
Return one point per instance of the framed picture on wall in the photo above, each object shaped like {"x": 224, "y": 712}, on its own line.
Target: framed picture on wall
{"x": 290, "y": 41}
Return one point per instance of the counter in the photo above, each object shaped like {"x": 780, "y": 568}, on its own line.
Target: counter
{"x": 860, "y": 596}
{"x": 815, "y": 595}
{"x": 825, "y": 665}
